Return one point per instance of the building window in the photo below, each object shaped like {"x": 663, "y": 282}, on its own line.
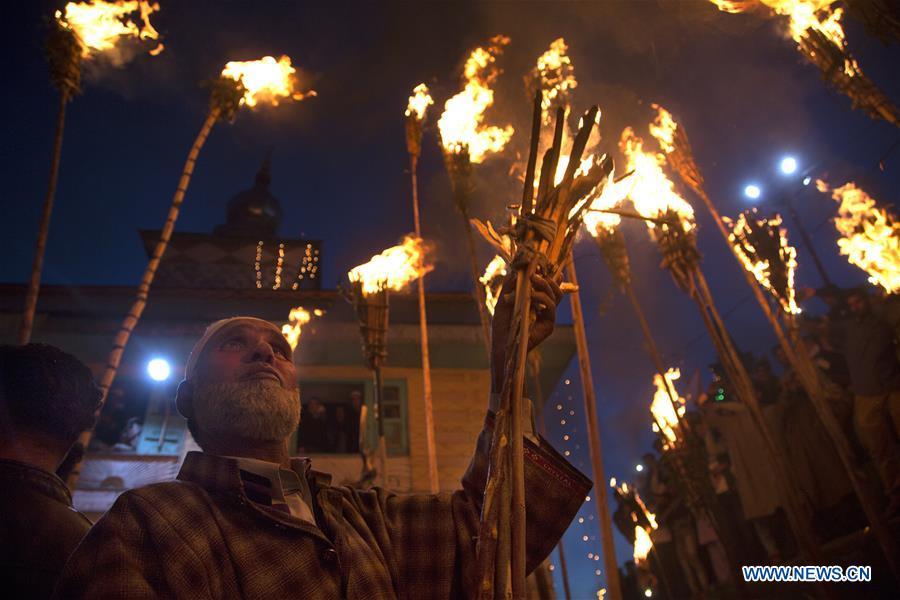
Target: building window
{"x": 333, "y": 412}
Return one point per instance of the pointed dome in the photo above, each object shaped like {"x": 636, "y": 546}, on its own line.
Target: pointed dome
{"x": 254, "y": 212}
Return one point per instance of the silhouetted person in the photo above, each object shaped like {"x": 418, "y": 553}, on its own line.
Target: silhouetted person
{"x": 47, "y": 397}
{"x": 869, "y": 346}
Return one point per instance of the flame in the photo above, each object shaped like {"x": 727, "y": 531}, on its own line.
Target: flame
{"x": 642, "y": 544}
{"x": 492, "y": 280}
{"x": 661, "y": 408}
{"x": 555, "y": 75}
{"x": 99, "y": 25}
{"x": 870, "y": 236}
{"x": 419, "y": 102}
{"x": 650, "y": 190}
{"x": 663, "y": 129}
{"x": 777, "y": 278}
{"x": 393, "y": 268}
{"x": 298, "y": 317}
{"x": 804, "y": 16}
{"x": 613, "y": 194}
{"x": 651, "y": 517}
{"x": 265, "y": 80}
{"x": 734, "y": 6}
{"x": 461, "y": 124}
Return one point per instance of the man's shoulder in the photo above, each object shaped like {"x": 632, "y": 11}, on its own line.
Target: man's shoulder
{"x": 165, "y": 499}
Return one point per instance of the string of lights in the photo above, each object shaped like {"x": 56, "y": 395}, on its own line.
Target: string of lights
{"x": 588, "y": 530}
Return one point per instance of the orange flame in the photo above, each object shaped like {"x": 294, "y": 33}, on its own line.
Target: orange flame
{"x": 419, "y": 102}
{"x": 298, "y": 317}
{"x": 265, "y": 80}
{"x": 804, "y": 16}
{"x": 642, "y": 544}
{"x": 663, "y": 129}
{"x": 870, "y": 236}
{"x": 492, "y": 280}
{"x": 461, "y": 125}
{"x": 393, "y": 268}
{"x": 556, "y": 76}
{"x": 661, "y": 408}
{"x": 98, "y": 25}
{"x": 759, "y": 265}
{"x": 649, "y": 188}
{"x": 613, "y": 194}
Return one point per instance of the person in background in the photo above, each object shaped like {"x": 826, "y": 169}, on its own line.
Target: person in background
{"x": 47, "y": 398}
{"x": 810, "y": 452}
{"x": 867, "y": 342}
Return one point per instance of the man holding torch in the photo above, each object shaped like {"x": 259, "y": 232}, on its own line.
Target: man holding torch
{"x": 245, "y": 520}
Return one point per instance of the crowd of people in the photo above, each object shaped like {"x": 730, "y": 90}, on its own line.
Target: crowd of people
{"x": 857, "y": 358}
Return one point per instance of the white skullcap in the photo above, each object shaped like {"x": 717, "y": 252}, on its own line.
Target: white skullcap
{"x": 214, "y": 328}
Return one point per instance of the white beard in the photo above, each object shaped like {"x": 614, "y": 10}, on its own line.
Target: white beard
{"x": 258, "y": 410}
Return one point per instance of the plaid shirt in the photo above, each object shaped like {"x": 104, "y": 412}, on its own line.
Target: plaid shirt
{"x": 201, "y": 537}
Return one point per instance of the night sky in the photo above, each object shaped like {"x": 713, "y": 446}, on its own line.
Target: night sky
{"x": 339, "y": 166}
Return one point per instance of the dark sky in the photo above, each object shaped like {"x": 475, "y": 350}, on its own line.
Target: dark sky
{"x": 734, "y": 81}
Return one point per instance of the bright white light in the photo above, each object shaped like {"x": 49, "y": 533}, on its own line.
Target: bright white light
{"x": 788, "y": 165}
{"x": 159, "y": 369}
{"x": 752, "y": 191}
{"x": 648, "y": 593}
{"x": 638, "y": 468}
{"x": 806, "y": 180}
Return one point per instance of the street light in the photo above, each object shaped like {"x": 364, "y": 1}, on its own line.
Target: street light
{"x": 638, "y": 468}
{"x": 159, "y": 369}
{"x": 788, "y": 165}
{"x": 752, "y": 191}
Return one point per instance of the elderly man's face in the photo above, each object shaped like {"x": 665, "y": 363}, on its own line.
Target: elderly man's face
{"x": 248, "y": 352}
{"x": 246, "y": 384}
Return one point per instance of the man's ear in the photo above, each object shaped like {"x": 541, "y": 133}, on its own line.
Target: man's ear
{"x": 184, "y": 399}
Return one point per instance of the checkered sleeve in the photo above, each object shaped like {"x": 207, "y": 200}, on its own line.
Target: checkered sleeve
{"x": 432, "y": 538}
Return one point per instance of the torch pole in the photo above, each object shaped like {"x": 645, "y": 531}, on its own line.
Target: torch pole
{"x": 430, "y": 444}
{"x": 34, "y": 284}
{"x": 478, "y": 291}
{"x": 517, "y": 516}
{"x": 379, "y": 421}
{"x": 64, "y": 52}
{"x": 798, "y": 356}
{"x": 459, "y": 169}
{"x": 804, "y": 235}
{"x": 140, "y": 302}
{"x": 613, "y": 585}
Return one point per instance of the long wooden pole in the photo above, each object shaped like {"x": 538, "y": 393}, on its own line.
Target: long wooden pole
{"x": 516, "y": 413}
{"x": 477, "y": 291}
{"x": 613, "y": 585}
{"x": 379, "y": 421}
{"x": 430, "y": 444}
{"x": 140, "y": 302}
{"x": 564, "y": 570}
{"x": 37, "y": 266}
{"x": 798, "y": 357}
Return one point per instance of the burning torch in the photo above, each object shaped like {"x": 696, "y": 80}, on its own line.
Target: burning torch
{"x": 370, "y": 286}
{"x": 80, "y": 32}
{"x": 466, "y": 140}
